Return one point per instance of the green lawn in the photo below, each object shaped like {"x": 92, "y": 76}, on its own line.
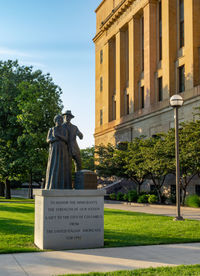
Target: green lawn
{"x": 129, "y": 228}
{"x": 16, "y": 227}
{"x": 121, "y": 228}
{"x": 189, "y": 270}
{"x": 16, "y": 199}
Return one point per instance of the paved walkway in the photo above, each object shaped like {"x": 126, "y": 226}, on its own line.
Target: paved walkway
{"x": 186, "y": 212}
{"x": 102, "y": 260}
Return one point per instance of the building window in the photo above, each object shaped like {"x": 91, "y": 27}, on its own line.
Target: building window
{"x": 101, "y": 56}
{"x": 181, "y": 74}
{"x": 160, "y": 89}
{"x": 142, "y": 97}
{"x": 101, "y": 84}
{"x": 197, "y": 189}
{"x": 101, "y": 117}
{"x": 126, "y": 102}
{"x": 142, "y": 42}
{"x": 181, "y": 23}
{"x": 113, "y": 107}
{"x": 160, "y": 29}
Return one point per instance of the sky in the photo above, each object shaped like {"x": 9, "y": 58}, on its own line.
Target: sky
{"x": 55, "y": 36}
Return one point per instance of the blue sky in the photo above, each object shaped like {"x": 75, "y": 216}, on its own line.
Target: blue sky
{"x": 56, "y": 37}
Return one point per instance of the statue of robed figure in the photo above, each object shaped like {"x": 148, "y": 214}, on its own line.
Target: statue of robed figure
{"x": 58, "y": 175}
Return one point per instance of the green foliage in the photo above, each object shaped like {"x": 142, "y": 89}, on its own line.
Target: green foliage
{"x": 143, "y": 199}
{"x": 29, "y": 101}
{"x": 154, "y": 158}
{"x": 125, "y": 197}
{"x": 120, "y": 196}
{"x": 152, "y": 199}
{"x": 112, "y": 196}
{"x": 193, "y": 201}
{"x": 105, "y": 164}
{"x": 87, "y": 157}
{"x": 132, "y": 196}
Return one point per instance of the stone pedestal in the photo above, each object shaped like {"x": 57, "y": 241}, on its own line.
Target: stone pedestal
{"x": 86, "y": 180}
{"x": 69, "y": 219}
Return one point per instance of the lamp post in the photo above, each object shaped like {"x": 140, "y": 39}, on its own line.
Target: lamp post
{"x": 176, "y": 101}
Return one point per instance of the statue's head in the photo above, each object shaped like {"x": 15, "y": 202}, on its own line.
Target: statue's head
{"x": 68, "y": 116}
{"x": 58, "y": 120}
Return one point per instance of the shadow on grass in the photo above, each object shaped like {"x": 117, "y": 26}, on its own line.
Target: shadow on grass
{"x": 13, "y": 226}
{"x": 16, "y": 209}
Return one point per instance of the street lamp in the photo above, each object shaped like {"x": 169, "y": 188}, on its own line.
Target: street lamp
{"x": 176, "y": 101}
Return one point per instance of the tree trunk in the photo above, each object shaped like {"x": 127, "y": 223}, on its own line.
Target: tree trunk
{"x": 2, "y": 189}
{"x": 159, "y": 195}
{"x": 138, "y": 188}
{"x": 184, "y": 190}
{"x": 7, "y": 189}
{"x": 30, "y": 189}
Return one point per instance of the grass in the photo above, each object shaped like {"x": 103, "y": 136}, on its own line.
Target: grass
{"x": 16, "y": 227}
{"x": 121, "y": 228}
{"x": 129, "y": 228}
{"x": 189, "y": 270}
{"x": 16, "y": 199}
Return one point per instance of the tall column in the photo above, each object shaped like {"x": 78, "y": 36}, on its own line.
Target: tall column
{"x": 150, "y": 51}
{"x": 105, "y": 92}
{"x": 118, "y": 76}
{"x": 136, "y": 60}
{"x": 196, "y": 22}
{"x": 131, "y": 65}
{"x": 189, "y": 44}
{"x": 169, "y": 46}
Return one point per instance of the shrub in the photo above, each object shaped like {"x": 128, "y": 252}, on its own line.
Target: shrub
{"x": 143, "y": 199}
{"x": 132, "y": 196}
{"x": 120, "y": 196}
{"x": 193, "y": 201}
{"x": 125, "y": 197}
{"x": 152, "y": 199}
{"x": 112, "y": 196}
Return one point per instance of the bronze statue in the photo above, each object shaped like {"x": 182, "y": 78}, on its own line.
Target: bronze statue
{"x": 58, "y": 174}
{"x": 73, "y": 131}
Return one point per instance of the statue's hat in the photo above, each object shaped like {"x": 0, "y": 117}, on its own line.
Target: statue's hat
{"x": 68, "y": 113}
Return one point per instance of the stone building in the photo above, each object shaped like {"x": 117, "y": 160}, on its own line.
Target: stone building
{"x": 146, "y": 51}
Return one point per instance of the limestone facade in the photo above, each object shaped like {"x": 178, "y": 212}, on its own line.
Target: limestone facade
{"x": 146, "y": 51}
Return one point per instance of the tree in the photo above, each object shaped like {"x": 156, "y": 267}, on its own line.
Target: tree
{"x": 189, "y": 154}
{"x": 157, "y": 163}
{"x": 104, "y": 160}
{"x": 87, "y": 157}
{"x": 29, "y": 101}
{"x": 134, "y": 160}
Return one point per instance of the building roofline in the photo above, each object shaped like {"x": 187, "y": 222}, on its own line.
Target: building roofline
{"x": 100, "y": 5}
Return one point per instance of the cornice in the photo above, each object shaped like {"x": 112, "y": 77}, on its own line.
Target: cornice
{"x": 116, "y": 13}
{"x": 113, "y": 16}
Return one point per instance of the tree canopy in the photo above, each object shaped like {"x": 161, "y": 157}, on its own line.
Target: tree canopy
{"x": 29, "y": 100}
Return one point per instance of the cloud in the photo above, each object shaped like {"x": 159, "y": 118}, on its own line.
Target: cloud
{"x": 35, "y": 64}
{"x": 13, "y": 53}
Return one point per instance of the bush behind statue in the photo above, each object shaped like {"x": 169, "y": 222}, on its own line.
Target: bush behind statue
{"x": 143, "y": 199}
{"x": 193, "y": 201}
{"x": 132, "y": 196}
{"x": 120, "y": 196}
{"x": 152, "y": 199}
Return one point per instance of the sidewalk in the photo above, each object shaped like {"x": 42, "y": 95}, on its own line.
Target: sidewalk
{"x": 186, "y": 212}
{"x": 101, "y": 260}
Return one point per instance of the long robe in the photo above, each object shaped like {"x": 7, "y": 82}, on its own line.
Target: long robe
{"x": 58, "y": 167}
